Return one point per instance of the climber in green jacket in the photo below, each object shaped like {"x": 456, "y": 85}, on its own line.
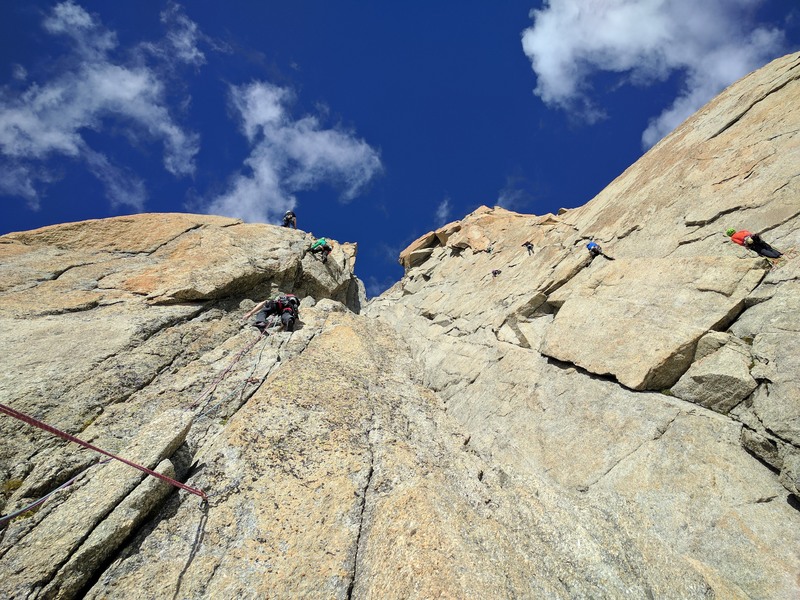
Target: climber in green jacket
{"x": 321, "y": 245}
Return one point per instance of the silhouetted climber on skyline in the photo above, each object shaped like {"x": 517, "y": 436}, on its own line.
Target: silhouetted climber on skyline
{"x": 753, "y": 241}
{"x": 290, "y": 219}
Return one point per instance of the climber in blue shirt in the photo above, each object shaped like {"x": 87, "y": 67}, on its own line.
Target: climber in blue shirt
{"x": 595, "y": 250}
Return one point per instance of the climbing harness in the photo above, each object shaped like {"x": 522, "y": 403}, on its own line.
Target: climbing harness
{"x": 7, "y": 410}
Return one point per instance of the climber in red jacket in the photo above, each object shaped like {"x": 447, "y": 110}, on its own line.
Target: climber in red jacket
{"x": 753, "y": 241}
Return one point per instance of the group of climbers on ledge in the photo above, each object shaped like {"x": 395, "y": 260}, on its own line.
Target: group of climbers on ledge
{"x": 321, "y": 245}
{"x": 286, "y": 307}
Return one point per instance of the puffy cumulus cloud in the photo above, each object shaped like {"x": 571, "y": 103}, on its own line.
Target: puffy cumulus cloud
{"x": 711, "y": 43}
{"x": 289, "y": 155}
{"x": 51, "y": 118}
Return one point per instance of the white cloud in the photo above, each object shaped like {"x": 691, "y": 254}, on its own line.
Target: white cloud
{"x": 91, "y": 40}
{"x": 183, "y": 35}
{"x": 49, "y": 119}
{"x": 710, "y": 43}
{"x": 443, "y": 212}
{"x": 19, "y": 73}
{"x": 16, "y": 181}
{"x": 123, "y": 188}
{"x": 289, "y": 156}
{"x": 182, "y": 39}
{"x": 516, "y": 194}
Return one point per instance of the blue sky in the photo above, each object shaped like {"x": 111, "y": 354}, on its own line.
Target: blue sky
{"x": 375, "y": 121}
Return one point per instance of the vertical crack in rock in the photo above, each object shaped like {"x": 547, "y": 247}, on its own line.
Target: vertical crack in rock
{"x": 362, "y": 509}
{"x": 198, "y": 540}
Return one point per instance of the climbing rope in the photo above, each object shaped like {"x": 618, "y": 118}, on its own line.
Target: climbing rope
{"x": 237, "y": 391}
{"x": 11, "y": 516}
{"x": 218, "y": 379}
{"x": 788, "y": 254}
{"x": 7, "y": 410}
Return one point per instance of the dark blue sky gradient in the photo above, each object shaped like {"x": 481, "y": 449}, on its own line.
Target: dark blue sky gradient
{"x": 442, "y": 90}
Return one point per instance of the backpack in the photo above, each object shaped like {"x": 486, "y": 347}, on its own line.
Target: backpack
{"x": 288, "y": 302}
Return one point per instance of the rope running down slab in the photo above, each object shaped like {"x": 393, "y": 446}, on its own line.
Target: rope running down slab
{"x": 50, "y": 429}
{"x": 7, "y": 410}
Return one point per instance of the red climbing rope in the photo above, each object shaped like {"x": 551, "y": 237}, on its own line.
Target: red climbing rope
{"x": 50, "y": 429}
{"x": 218, "y": 379}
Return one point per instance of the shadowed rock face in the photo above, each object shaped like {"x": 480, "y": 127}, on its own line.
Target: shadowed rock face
{"x": 565, "y": 428}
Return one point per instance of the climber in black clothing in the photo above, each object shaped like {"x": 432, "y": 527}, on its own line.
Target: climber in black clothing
{"x": 285, "y": 305}
{"x": 290, "y": 219}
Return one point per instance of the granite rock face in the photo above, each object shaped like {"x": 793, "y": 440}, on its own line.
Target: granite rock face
{"x": 662, "y": 375}
{"x": 112, "y": 326}
{"x": 502, "y": 423}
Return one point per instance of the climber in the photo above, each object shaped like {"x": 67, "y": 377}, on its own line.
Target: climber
{"x": 753, "y": 241}
{"x": 496, "y": 272}
{"x": 529, "y": 246}
{"x": 290, "y": 219}
{"x": 595, "y": 250}
{"x": 285, "y": 305}
{"x": 321, "y": 245}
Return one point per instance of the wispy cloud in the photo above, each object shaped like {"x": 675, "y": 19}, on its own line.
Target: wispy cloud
{"x": 181, "y": 43}
{"x": 19, "y": 73}
{"x": 443, "y": 212}
{"x": 516, "y": 194}
{"x": 122, "y": 186}
{"x": 289, "y": 155}
{"x": 710, "y": 43}
{"x": 50, "y": 119}
{"x": 376, "y": 286}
